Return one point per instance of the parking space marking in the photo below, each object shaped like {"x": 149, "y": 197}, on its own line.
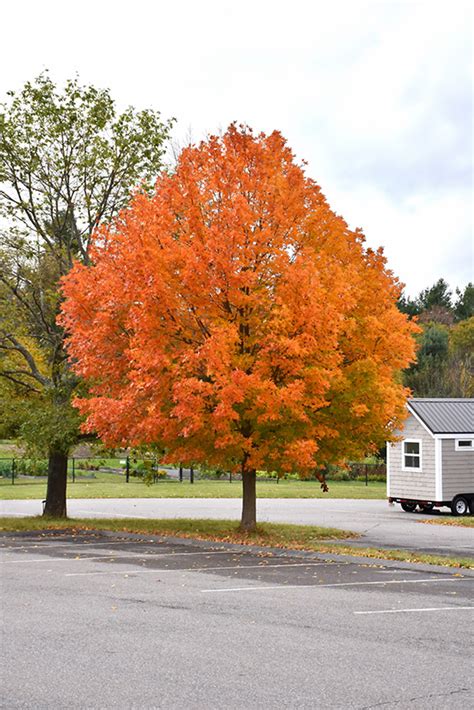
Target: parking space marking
{"x": 404, "y": 611}
{"x": 202, "y": 569}
{"x": 58, "y": 543}
{"x": 54, "y": 559}
{"x": 116, "y": 556}
{"x": 336, "y": 584}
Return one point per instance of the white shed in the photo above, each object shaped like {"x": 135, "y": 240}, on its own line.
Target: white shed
{"x": 432, "y": 464}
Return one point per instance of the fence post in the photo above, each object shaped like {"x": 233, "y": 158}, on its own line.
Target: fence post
{"x": 366, "y": 474}
{"x": 180, "y": 474}
{"x": 73, "y": 469}
{"x": 191, "y": 475}
{"x": 127, "y": 469}
{"x": 230, "y": 476}
{"x": 13, "y": 471}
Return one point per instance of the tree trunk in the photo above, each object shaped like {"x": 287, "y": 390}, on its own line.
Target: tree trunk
{"x": 248, "y": 522}
{"x": 56, "y": 492}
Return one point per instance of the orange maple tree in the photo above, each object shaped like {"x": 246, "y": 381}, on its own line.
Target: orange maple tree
{"x": 234, "y": 319}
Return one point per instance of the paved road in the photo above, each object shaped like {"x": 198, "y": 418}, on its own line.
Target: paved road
{"x": 379, "y": 523}
{"x": 118, "y": 621}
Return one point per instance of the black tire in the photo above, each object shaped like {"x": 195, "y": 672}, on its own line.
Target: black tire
{"x": 460, "y": 506}
{"x": 426, "y": 507}
{"x": 408, "y": 506}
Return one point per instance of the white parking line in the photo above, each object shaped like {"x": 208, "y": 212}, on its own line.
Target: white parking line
{"x": 403, "y": 611}
{"x": 336, "y": 584}
{"x": 105, "y": 557}
{"x": 83, "y": 545}
{"x": 54, "y": 559}
{"x": 196, "y": 569}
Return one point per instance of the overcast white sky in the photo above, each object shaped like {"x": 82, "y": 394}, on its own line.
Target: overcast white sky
{"x": 375, "y": 94}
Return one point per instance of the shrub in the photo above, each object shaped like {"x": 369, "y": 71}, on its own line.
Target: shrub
{"x": 6, "y": 468}
{"x": 212, "y": 474}
{"x": 152, "y": 474}
{"x": 31, "y": 467}
{"x": 89, "y": 464}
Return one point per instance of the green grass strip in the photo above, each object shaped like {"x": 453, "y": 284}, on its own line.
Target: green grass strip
{"x": 110, "y": 485}
{"x": 455, "y": 522}
{"x": 285, "y": 536}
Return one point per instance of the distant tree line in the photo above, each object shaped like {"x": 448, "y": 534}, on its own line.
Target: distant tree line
{"x": 445, "y": 359}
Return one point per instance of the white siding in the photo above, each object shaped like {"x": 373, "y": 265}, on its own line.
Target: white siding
{"x": 412, "y": 484}
{"x": 458, "y": 470}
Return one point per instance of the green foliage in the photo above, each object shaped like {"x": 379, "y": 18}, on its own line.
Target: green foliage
{"x": 31, "y": 467}
{"x": 409, "y": 306}
{"x": 464, "y": 307}
{"x": 461, "y": 338}
{"x": 212, "y": 473}
{"x": 72, "y": 158}
{"x": 434, "y": 344}
{"x": 437, "y": 295}
{"x": 89, "y": 464}
{"x": 435, "y": 304}
{"x": 53, "y": 426}
{"x": 445, "y": 362}
{"x": 153, "y": 474}
{"x": 23, "y": 467}
{"x": 68, "y": 161}
{"x": 6, "y": 467}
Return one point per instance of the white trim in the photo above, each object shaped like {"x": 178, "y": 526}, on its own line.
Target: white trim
{"x": 417, "y": 469}
{"x": 438, "y": 470}
{"x": 454, "y": 436}
{"x": 464, "y": 448}
{"x": 388, "y": 445}
{"x": 419, "y": 420}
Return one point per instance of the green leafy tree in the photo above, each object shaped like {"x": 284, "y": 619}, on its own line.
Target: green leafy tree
{"x": 408, "y": 305}
{"x": 437, "y": 295}
{"x": 68, "y": 161}
{"x": 461, "y": 345}
{"x": 425, "y": 378}
{"x": 444, "y": 367}
{"x": 464, "y": 307}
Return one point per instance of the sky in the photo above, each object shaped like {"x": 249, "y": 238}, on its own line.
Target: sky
{"x": 376, "y": 96}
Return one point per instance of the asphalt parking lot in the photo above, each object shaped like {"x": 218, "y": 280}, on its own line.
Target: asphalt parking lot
{"x": 101, "y": 620}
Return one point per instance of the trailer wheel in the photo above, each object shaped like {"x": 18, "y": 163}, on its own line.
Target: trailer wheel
{"x": 408, "y": 506}
{"x": 460, "y": 506}
{"x": 426, "y": 507}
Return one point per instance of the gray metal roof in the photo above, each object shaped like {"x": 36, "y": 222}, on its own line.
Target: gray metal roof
{"x": 445, "y": 416}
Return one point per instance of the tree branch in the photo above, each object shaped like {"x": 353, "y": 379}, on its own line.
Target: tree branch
{"x": 16, "y": 345}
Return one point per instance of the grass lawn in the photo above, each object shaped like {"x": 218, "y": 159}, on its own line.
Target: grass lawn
{"x": 8, "y": 449}
{"x": 109, "y": 485}
{"x": 293, "y": 537}
{"x": 467, "y": 522}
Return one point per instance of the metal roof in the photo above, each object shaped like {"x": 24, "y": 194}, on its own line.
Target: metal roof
{"x": 445, "y": 416}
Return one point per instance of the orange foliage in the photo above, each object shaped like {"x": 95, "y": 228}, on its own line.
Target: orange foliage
{"x": 233, "y": 317}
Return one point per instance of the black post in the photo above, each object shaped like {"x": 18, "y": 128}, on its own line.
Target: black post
{"x": 366, "y": 474}
{"x": 230, "y": 476}
{"x": 127, "y": 469}
{"x": 13, "y": 471}
{"x": 191, "y": 475}
{"x": 180, "y": 474}
{"x": 73, "y": 469}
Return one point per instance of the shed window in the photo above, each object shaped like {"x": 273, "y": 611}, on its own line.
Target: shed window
{"x": 412, "y": 455}
{"x": 464, "y": 444}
